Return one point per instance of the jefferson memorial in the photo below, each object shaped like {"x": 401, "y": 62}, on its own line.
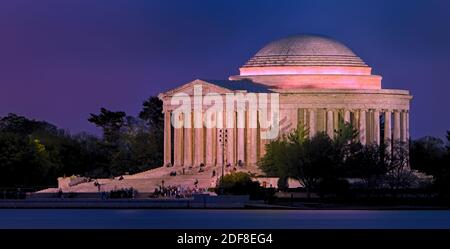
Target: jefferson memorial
{"x": 319, "y": 82}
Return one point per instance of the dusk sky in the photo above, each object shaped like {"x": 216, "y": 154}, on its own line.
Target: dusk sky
{"x": 61, "y": 60}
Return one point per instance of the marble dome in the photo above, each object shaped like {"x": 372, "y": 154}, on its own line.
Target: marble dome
{"x": 308, "y": 61}
{"x": 305, "y": 50}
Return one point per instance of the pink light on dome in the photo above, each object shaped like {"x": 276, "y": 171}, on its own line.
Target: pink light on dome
{"x": 292, "y": 70}
{"x": 319, "y": 81}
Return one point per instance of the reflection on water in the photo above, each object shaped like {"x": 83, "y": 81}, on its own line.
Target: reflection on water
{"x": 188, "y": 218}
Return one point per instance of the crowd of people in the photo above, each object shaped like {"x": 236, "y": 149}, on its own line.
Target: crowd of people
{"x": 122, "y": 193}
{"x": 177, "y": 191}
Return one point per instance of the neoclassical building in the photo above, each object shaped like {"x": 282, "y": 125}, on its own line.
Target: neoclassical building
{"x": 319, "y": 81}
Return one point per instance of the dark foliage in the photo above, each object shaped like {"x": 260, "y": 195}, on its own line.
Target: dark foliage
{"x": 111, "y": 123}
{"x": 238, "y": 183}
{"x": 321, "y": 163}
{"x": 34, "y": 153}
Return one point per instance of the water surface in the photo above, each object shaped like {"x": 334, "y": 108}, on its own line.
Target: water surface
{"x": 226, "y": 219}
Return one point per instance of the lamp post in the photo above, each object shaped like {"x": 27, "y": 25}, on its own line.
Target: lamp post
{"x": 223, "y": 139}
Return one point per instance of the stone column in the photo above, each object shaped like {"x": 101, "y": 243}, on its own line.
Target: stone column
{"x": 241, "y": 117}
{"x": 254, "y": 146}
{"x": 336, "y": 119}
{"x": 330, "y": 123}
{"x": 312, "y": 123}
{"x": 403, "y": 126}
{"x": 252, "y": 132}
{"x": 209, "y": 147}
{"x": 407, "y": 125}
{"x": 198, "y": 140}
{"x": 293, "y": 115}
{"x": 356, "y": 123}
{"x": 376, "y": 127}
{"x": 387, "y": 127}
{"x": 187, "y": 161}
{"x": 262, "y": 145}
{"x": 178, "y": 143}
{"x": 369, "y": 126}
{"x": 346, "y": 116}
{"x": 282, "y": 122}
{"x": 167, "y": 139}
{"x": 305, "y": 118}
{"x": 396, "y": 125}
{"x": 362, "y": 127}
{"x": 229, "y": 134}
{"x": 407, "y": 135}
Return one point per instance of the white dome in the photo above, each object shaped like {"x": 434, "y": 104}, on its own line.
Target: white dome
{"x": 305, "y": 50}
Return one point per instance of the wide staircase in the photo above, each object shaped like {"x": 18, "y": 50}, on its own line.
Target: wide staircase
{"x": 147, "y": 181}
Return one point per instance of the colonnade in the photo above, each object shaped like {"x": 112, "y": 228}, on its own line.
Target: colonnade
{"x": 369, "y": 123}
{"x": 240, "y": 144}
{"x": 243, "y": 145}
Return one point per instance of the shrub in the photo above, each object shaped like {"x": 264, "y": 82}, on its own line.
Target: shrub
{"x": 238, "y": 183}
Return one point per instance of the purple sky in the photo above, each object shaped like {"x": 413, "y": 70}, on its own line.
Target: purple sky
{"x": 61, "y": 60}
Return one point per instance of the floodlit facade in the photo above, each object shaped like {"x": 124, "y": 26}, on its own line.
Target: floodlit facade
{"x": 316, "y": 82}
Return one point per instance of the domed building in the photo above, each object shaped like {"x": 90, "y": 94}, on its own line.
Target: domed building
{"x": 313, "y": 81}
{"x": 319, "y": 81}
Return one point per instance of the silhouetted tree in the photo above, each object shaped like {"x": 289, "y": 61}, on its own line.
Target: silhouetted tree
{"x": 35, "y": 153}
{"x": 22, "y": 126}
{"x": 152, "y": 112}
{"x": 448, "y": 141}
{"x": 399, "y": 174}
{"x": 301, "y": 158}
{"x": 111, "y": 123}
{"x": 368, "y": 163}
{"x": 426, "y": 155}
{"x": 442, "y": 173}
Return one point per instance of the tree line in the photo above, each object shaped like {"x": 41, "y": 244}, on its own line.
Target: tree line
{"x": 34, "y": 153}
{"x": 329, "y": 165}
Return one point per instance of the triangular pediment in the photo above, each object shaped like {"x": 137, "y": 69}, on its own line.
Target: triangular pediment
{"x": 188, "y": 88}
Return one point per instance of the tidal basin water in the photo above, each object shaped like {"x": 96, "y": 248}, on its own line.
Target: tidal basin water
{"x": 225, "y": 219}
